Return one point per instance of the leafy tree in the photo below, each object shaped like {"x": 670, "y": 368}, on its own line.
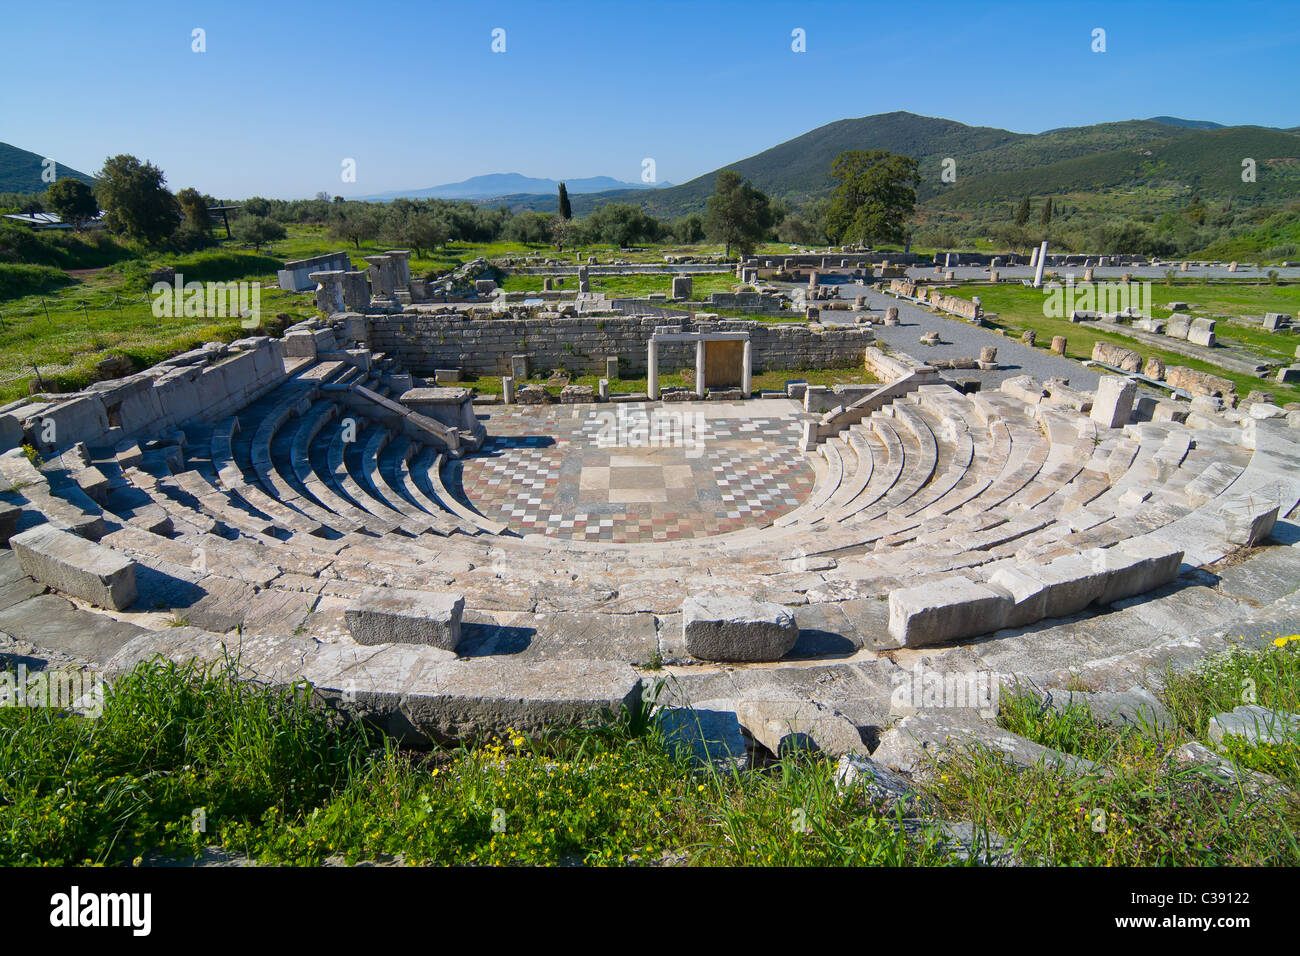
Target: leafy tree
{"x": 195, "y": 208}
{"x": 355, "y": 223}
{"x": 737, "y": 214}
{"x": 529, "y": 227}
{"x": 73, "y": 200}
{"x": 255, "y": 206}
{"x": 1046, "y": 218}
{"x": 566, "y": 210}
{"x": 257, "y": 230}
{"x": 135, "y": 199}
{"x": 564, "y": 232}
{"x": 1022, "y": 212}
{"x": 689, "y": 229}
{"x": 622, "y": 224}
{"x": 874, "y": 198}
{"x": 411, "y": 226}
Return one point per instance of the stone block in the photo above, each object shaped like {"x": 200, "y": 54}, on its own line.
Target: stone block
{"x": 1136, "y": 566}
{"x": 720, "y": 627}
{"x": 1201, "y": 332}
{"x": 1248, "y": 521}
{"x": 952, "y": 608}
{"x": 1257, "y": 724}
{"x": 1112, "y": 407}
{"x": 1125, "y": 360}
{"x": 404, "y": 616}
{"x": 74, "y": 566}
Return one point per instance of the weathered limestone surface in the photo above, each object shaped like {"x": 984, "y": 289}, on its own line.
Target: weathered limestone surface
{"x": 76, "y": 567}
{"x": 417, "y": 693}
{"x": 735, "y": 628}
{"x": 403, "y": 616}
{"x": 918, "y": 744}
{"x": 1256, "y": 724}
{"x": 955, "y": 607}
{"x": 1115, "y": 355}
{"x": 1113, "y": 405}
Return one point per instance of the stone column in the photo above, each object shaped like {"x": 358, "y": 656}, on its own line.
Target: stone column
{"x": 381, "y": 276}
{"x": 329, "y": 291}
{"x": 1058, "y": 344}
{"x": 699, "y": 367}
{"x": 401, "y": 261}
{"x": 507, "y": 389}
{"x": 1042, "y": 259}
{"x": 356, "y": 292}
{"x": 1033, "y": 257}
{"x": 747, "y": 370}
{"x": 652, "y": 369}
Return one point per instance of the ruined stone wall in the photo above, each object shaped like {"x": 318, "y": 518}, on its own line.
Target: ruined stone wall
{"x": 423, "y": 343}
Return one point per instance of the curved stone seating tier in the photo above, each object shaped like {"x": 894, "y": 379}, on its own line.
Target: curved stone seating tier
{"x": 970, "y": 513}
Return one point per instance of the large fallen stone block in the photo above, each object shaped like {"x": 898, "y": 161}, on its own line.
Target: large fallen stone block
{"x": 1112, "y": 407}
{"x": 1247, "y": 522}
{"x": 882, "y": 786}
{"x": 74, "y": 566}
{"x": 719, "y": 627}
{"x": 1201, "y": 332}
{"x": 1197, "y": 383}
{"x": 1024, "y": 387}
{"x": 1258, "y": 725}
{"x": 403, "y": 616}
{"x": 918, "y": 744}
{"x": 1125, "y": 360}
{"x": 951, "y": 608}
{"x": 783, "y": 722}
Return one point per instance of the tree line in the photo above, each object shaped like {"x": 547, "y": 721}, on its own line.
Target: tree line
{"x": 873, "y": 200}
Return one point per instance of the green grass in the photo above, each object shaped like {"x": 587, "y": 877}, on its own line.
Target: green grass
{"x": 1020, "y": 307}
{"x": 281, "y": 781}
{"x": 21, "y": 280}
{"x": 1148, "y": 810}
{"x": 65, "y": 333}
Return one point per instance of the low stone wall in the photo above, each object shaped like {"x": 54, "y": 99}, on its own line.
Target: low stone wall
{"x": 423, "y": 343}
{"x": 294, "y": 276}
{"x": 207, "y": 383}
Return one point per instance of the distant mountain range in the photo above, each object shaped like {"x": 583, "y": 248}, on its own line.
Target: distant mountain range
{"x": 20, "y": 171}
{"x": 502, "y": 185}
{"x": 1144, "y": 161}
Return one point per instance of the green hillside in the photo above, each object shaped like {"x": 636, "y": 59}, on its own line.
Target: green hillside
{"x": 20, "y": 171}
{"x": 1149, "y": 161}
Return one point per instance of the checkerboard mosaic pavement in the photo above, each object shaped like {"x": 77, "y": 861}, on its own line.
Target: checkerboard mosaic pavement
{"x": 634, "y": 472}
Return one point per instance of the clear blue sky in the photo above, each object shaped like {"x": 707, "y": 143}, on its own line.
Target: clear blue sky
{"x": 413, "y": 92}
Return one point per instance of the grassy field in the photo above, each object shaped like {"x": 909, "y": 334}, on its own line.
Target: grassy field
{"x": 62, "y": 335}
{"x": 1020, "y": 307}
{"x": 278, "y": 781}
